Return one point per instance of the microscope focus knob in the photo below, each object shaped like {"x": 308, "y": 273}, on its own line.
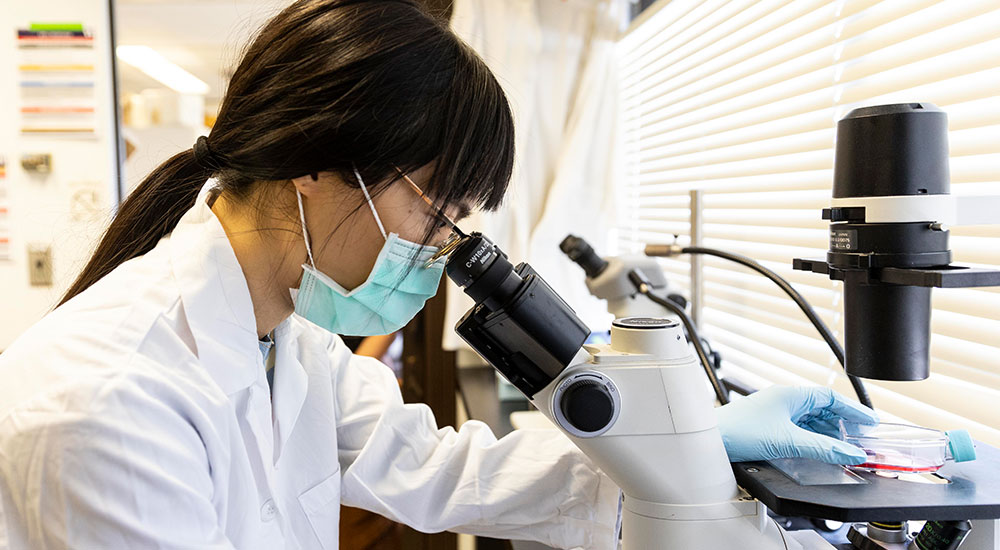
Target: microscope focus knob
{"x": 587, "y": 404}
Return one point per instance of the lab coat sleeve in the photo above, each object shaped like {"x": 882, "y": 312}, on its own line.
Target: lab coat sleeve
{"x": 529, "y": 485}
{"x": 106, "y": 466}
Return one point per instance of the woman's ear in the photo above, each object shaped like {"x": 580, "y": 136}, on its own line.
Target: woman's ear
{"x": 308, "y": 184}
{"x": 316, "y": 184}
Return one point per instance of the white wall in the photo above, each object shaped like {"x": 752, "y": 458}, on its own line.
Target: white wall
{"x": 153, "y": 146}
{"x": 40, "y": 207}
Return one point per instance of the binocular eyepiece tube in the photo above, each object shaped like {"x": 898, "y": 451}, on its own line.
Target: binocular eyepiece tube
{"x": 519, "y": 324}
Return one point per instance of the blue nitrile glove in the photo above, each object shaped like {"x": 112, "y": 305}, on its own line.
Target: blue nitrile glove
{"x": 786, "y": 422}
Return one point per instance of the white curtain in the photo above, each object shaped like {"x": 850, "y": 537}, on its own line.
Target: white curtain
{"x": 556, "y": 62}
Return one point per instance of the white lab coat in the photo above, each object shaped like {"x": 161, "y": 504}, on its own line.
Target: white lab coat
{"x": 138, "y": 415}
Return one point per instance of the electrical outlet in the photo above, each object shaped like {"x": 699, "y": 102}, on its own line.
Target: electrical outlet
{"x": 40, "y": 266}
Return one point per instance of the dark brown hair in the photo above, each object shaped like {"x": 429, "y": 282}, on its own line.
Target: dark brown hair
{"x": 328, "y": 84}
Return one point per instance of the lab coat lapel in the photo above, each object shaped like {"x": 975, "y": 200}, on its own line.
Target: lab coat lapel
{"x": 216, "y": 299}
{"x": 291, "y": 384}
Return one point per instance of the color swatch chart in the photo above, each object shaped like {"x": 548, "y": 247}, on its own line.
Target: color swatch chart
{"x": 56, "y": 80}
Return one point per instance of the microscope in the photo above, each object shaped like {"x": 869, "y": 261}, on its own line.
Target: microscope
{"x": 640, "y": 409}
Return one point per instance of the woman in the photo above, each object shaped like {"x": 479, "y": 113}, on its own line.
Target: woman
{"x": 173, "y": 400}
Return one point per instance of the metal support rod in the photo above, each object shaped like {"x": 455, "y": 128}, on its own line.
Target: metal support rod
{"x": 697, "y": 261}
{"x": 118, "y": 141}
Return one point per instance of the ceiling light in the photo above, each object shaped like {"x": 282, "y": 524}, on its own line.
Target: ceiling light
{"x": 156, "y": 66}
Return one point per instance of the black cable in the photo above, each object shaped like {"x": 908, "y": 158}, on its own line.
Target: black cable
{"x": 825, "y": 332}
{"x": 731, "y": 384}
{"x": 736, "y": 386}
{"x": 638, "y": 278}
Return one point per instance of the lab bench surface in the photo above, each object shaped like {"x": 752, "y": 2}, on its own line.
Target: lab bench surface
{"x": 478, "y": 388}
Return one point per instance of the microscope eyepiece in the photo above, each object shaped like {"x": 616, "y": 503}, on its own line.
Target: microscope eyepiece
{"x": 470, "y": 259}
{"x": 583, "y": 254}
{"x": 483, "y": 271}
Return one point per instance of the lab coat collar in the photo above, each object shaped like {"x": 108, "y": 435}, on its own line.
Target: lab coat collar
{"x": 215, "y": 296}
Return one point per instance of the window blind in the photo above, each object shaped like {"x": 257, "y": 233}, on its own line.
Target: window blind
{"x": 740, "y": 98}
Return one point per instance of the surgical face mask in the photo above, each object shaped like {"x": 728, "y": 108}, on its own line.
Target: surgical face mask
{"x": 399, "y": 284}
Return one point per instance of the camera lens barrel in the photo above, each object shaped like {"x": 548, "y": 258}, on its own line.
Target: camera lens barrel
{"x": 892, "y": 150}
{"x": 888, "y": 151}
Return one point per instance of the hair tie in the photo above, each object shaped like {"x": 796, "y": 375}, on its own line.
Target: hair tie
{"x": 204, "y": 156}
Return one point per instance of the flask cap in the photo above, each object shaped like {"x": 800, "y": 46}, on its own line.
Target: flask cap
{"x": 961, "y": 445}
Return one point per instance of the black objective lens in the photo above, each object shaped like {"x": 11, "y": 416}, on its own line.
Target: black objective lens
{"x": 583, "y": 254}
{"x": 941, "y": 535}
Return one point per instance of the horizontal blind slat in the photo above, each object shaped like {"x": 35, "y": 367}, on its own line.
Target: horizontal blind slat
{"x": 753, "y": 38}
{"x": 706, "y": 18}
{"x": 774, "y": 51}
{"x": 947, "y": 51}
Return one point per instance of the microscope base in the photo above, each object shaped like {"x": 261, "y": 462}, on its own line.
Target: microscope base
{"x": 742, "y": 524}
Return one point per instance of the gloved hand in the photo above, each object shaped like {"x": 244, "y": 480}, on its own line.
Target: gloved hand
{"x": 786, "y": 422}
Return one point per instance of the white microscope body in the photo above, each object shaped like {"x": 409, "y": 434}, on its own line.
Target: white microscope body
{"x": 641, "y": 410}
{"x": 608, "y": 279}
{"x": 623, "y": 299}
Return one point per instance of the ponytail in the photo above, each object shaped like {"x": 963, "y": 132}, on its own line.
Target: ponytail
{"x": 149, "y": 213}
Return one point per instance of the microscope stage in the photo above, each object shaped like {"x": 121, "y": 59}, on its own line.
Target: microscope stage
{"x": 802, "y": 487}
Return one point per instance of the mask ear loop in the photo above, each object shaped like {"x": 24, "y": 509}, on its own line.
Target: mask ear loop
{"x": 305, "y": 232}
{"x": 370, "y": 203}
